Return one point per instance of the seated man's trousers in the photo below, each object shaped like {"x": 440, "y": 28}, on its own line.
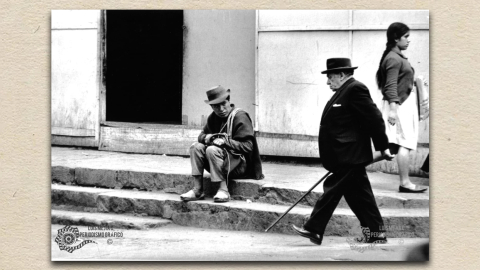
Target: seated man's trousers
{"x": 216, "y": 161}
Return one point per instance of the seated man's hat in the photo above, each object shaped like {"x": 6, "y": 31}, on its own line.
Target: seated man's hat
{"x": 338, "y": 64}
{"x": 217, "y": 94}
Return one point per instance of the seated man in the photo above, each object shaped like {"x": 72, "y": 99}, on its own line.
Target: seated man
{"x": 226, "y": 147}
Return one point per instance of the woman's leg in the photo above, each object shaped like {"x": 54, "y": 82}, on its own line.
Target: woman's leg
{"x": 403, "y": 160}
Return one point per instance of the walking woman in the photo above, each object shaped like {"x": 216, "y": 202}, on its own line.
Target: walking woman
{"x": 395, "y": 78}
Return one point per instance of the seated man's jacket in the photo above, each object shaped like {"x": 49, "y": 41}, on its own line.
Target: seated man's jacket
{"x": 350, "y": 119}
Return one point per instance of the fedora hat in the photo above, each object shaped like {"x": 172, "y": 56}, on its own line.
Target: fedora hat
{"x": 338, "y": 64}
{"x": 217, "y": 94}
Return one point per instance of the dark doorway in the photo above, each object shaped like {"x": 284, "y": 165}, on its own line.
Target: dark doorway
{"x": 144, "y": 55}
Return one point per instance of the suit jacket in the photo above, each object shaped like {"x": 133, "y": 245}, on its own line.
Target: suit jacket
{"x": 349, "y": 122}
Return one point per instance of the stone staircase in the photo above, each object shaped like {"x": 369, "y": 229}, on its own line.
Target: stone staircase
{"x": 142, "y": 191}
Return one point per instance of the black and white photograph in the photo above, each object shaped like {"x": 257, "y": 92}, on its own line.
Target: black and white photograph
{"x": 240, "y": 135}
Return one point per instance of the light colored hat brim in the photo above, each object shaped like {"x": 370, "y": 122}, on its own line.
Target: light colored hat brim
{"x": 219, "y": 99}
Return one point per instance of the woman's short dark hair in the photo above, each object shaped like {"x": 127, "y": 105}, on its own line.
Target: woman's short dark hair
{"x": 395, "y": 31}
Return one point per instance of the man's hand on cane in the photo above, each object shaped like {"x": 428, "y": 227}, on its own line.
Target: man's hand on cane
{"x": 387, "y": 155}
{"x": 381, "y": 155}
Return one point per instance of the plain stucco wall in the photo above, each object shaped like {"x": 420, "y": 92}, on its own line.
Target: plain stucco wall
{"x": 74, "y": 75}
{"x": 294, "y": 47}
{"x": 219, "y": 49}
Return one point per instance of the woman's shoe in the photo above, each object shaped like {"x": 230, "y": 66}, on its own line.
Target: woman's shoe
{"x": 416, "y": 189}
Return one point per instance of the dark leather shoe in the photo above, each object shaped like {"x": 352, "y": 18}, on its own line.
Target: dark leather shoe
{"x": 314, "y": 238}
{"x": 381, "y": 238}
{"x": 416, "y": 189}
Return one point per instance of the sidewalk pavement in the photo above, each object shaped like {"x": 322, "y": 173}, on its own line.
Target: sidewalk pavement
{"x": 178, "y": 243}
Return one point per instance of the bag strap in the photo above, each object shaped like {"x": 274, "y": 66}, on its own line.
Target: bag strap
{"x": 230, "y": 119}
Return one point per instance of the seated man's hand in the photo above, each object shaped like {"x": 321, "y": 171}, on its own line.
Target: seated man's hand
{"x": 218, "y": 142}
{"x": 207, "y": 138}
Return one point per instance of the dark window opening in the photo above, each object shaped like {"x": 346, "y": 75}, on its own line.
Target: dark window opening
{"x": 144, "y": 58}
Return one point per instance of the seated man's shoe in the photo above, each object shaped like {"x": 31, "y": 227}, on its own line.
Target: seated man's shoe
{"x": 314, "y": 238}
{"x": 415, "y": 189}
{"x": 192, "y": 196}
{"x": 221, "y": 196}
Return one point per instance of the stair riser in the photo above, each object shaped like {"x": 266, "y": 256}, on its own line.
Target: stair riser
{"x": 283, "y": 196}
{"x": 66, "y": 215}
{"x": 64, "y": 220}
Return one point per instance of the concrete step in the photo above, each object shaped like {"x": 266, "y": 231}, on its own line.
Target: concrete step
{"x": 280, "y": 186}
{"x": 234, "y": 215}
{"x": 82, "y": 218}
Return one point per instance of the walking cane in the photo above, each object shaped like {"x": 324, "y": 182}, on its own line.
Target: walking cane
{"x": 304, "y": 195}
{"x": 376, "y": 157}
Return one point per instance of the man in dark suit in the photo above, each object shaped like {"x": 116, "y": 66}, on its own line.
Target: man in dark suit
{"x": 349, "y": 122}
